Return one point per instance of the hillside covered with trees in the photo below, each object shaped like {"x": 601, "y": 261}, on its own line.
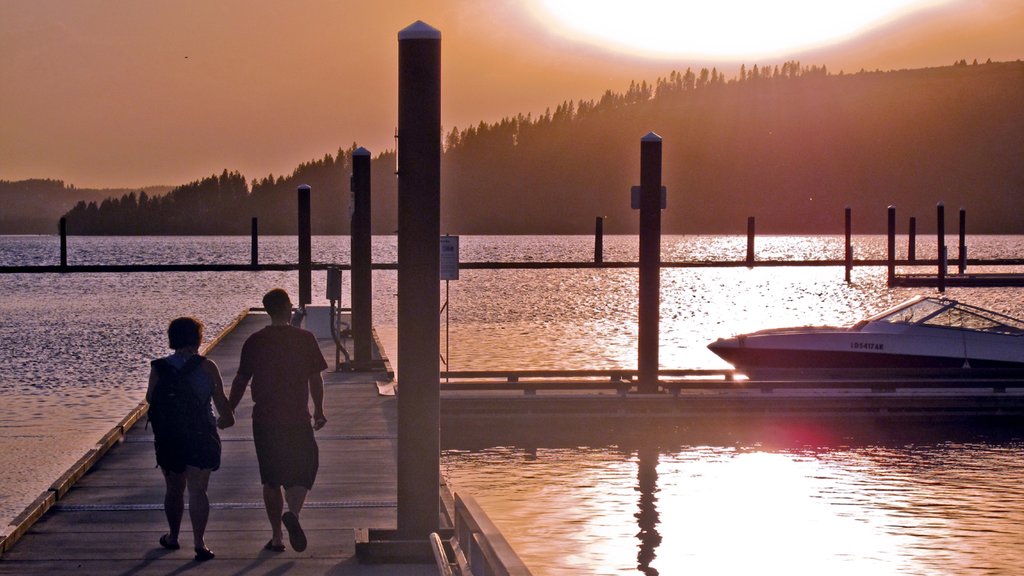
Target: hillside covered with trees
{"x": 791, "y": 145}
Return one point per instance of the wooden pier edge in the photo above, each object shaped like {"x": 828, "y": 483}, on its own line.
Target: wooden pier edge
{"x": 60, "y": 487}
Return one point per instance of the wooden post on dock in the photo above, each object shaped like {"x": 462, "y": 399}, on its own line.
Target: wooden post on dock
{"x": 305, "y": 248}
{"x": 254, "y": 243}
{"x": 63, "y": 228}
{"x": 962, "y": 254}
{"x": 419, "y": 285}
{"x": 891, "y": 248}
{"x": 360, "y": 241}
{"x": 650, "y": 263}
{"x": 912, "y": 240}
{"x": 750, "y": 241}
{"x": 848, "y": 253}
{"x": 599, "y": 240}
{"x": 940, "y": 233}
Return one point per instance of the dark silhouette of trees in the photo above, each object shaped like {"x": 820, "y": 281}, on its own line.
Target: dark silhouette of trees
{"x": 790, "y": 144}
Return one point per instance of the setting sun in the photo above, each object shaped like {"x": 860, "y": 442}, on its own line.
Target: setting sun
{"x": 727, "y": 29}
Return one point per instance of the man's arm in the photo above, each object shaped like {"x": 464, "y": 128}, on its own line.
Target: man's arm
{"x": 316, "y": 392}
{"x": 238, "y": 386}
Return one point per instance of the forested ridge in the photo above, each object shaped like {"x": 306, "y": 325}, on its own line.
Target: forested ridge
{"x": 789, "y": 144}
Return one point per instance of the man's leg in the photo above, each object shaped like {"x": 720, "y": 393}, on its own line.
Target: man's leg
{"x": 296, "y": 497}
{"x": 273, "y": 500}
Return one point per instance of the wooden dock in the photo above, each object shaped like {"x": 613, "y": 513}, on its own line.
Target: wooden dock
{"x": 110, "y": 520}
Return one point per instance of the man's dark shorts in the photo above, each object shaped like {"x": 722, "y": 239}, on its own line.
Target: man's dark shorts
{"x": 287, "y": 454}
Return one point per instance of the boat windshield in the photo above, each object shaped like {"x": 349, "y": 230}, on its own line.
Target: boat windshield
{"x": 953, "y": 314}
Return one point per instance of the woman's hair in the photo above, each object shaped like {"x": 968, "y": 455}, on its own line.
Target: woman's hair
{"x": 184, "y": 332}
{"x": 277, "y": 303}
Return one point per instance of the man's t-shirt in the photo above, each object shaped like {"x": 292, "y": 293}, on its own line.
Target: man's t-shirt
{"x": 281, "y": 359}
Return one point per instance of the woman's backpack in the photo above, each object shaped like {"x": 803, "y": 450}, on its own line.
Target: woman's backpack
{"x": 174, "y": 409}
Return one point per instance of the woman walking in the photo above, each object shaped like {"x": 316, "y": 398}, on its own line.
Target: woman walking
{"x": 181, "y": 387}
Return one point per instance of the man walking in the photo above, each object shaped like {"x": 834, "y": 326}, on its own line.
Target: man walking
{"x": 285, "y": 365}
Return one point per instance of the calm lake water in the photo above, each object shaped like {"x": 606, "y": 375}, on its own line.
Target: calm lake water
{"x": 74, "y": 351}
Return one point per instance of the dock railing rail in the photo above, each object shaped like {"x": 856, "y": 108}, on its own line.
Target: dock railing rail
{"x": 623, "y": 382}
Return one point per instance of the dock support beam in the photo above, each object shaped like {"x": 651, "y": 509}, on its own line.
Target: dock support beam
{"x": 891, "y": 248}
{"x": 650, "y": 263}
{"x": 848, "y": 253}
{"x": 940, "y": 234}
{"x": 750, "y": 241}
{"x": 419, "y": 284}
{"x": 962, "y": 253}
{"x": 912, "y": 240}
{"x": 305, "y": 248}
{"x": 599, "y": 240}
{"x": 361, "y": 254}
{"x": 254, "y": 243}
{"x": 63, "y": 228}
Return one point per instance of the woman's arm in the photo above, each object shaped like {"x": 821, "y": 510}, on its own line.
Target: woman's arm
{"x": 153, "y": 379}
{"x": 220, "y": 400}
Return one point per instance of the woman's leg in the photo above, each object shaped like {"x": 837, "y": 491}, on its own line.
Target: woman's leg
{"x": 174, "y": 503}
{"x": 198, "y": 503}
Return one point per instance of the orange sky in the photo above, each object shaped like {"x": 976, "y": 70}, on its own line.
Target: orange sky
{"x": 126, "y": 93}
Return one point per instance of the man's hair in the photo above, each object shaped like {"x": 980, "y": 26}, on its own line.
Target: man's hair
{"x": 277, "y": 303}
{"x": 184, "y": 332}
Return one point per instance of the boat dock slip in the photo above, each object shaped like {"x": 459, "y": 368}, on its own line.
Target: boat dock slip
{"x": 110, "y": 521}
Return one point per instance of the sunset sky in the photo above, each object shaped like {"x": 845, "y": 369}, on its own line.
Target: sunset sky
{"x": 123, "y": 93}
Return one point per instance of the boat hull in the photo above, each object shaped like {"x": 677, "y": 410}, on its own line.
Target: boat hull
{"x": 840, "y": 353}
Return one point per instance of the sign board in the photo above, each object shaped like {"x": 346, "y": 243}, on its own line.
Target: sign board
{"x": 449, "y": 257}
{"x": 634, "y": 197}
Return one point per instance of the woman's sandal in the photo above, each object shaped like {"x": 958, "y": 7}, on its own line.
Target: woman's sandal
{"x": 203, "y": 554}
{"x": 166, "y": 543}
{"x": 273, "y": 547}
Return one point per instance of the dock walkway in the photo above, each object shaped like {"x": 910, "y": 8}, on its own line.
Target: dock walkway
{"x": 111, "y": 519}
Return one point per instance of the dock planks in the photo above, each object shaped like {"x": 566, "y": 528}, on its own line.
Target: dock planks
{"x": 110, "y": 520}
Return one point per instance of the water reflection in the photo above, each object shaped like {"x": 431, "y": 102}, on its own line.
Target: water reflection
{"x": 779, "y": 499}
{"x": 647, "y": 515}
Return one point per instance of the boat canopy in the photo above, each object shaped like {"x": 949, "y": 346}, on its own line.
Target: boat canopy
{"x": 945, "y": 313}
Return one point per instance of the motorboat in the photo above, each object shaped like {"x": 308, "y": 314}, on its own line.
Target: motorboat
{"x": 923, "y": 337}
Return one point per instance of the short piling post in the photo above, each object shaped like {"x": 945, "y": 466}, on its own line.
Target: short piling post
{"x": 750, "y": 241}
{"x": 63, "y": 228}
{"x": 962, "y": 253}
{"x": 360, "y": 244}
{"x": 419, "y": 284}
{"x": 305, "y": 248}
{"x": 848, "y": 253}
{"x": 940, "y": 234}
{"x": 599, "y": 240}
{"x": 891, "y": 248}
{"x": 912, "y": 240}
{"x": 254, "y": 243}
{"x": 650, "y": 263}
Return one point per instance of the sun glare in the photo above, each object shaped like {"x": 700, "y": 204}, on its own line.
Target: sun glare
{"x": 719, "y": 29}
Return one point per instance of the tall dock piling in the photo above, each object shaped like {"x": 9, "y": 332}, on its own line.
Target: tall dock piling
{"x": 848, "y": 253}
{"x": 750, "y": 241}
{"x": 912, "y": 240}
{"x": 63, "y": 229}
{"x": 305, "y": 248}
{"x": 940, "y": 235}
{"x": 599, "y": 240}
{"x": 419, "y": 286}
{"x": 650, "y": 263}
{"x": 962, "y": 253}
{"x": 891, "y": 247}
{"x": 360, "y": 244}
{"x": 254, "y": 243}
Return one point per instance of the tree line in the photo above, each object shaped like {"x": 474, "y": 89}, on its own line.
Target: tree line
{"x": 790, "y": 144}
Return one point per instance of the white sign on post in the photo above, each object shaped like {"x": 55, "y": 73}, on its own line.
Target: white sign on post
{"x": 449, "y": 257}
